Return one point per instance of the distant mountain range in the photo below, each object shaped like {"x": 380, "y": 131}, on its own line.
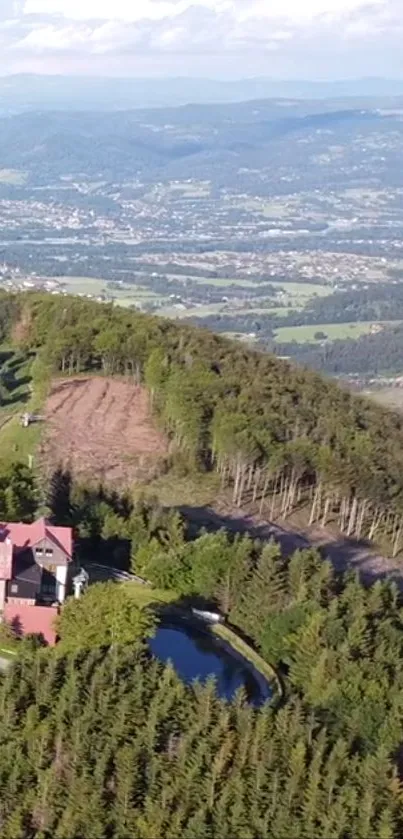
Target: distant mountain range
{"x": 225, "y": 143}
{"x": 34, "y": 92}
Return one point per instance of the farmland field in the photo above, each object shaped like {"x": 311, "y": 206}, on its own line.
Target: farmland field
{"x": 219, "y": 282}
{"x": 333, "y": 331}
{"x": 201, "y": 311}
{"x": 83, "y": 285}
{"x": 12, "y": 177}
{"x": 305, "y": 290}
{"x": 125, "y": 295}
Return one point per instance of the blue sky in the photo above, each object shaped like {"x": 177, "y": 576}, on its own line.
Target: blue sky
{"x": 215, "y": 38}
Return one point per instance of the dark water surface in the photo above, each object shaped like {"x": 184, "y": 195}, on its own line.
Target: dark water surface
{"x": 197, "y": 655}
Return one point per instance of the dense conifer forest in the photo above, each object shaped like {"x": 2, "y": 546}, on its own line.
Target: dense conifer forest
{"x": 97, "y": 738}
{"x": 103, "y": 741}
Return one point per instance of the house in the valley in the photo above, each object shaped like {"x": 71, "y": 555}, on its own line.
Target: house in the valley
{"x": 36, "y": 564}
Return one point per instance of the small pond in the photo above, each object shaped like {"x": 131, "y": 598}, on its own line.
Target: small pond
{"x": 198, "y": 655}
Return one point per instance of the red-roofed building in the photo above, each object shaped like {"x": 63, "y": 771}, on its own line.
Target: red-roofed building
{"x": 35, "y": 573}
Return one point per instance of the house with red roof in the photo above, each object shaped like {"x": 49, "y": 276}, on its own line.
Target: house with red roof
{"x": 36, "y": 562}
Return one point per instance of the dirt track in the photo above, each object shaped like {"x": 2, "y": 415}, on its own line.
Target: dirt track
{"x": 101, "y": 429}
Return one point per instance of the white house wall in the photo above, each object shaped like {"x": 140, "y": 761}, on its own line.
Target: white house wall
{"x": 61, "y": 577}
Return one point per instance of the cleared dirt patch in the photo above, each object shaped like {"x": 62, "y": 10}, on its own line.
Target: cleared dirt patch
{"x": 101, "y": 430}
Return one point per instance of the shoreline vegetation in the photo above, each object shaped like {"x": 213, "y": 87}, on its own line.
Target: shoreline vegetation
{"x": 144, "y": 595}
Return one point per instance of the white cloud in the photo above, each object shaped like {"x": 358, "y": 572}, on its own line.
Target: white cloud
{"x": 54, "y": 39}
{"x": 128, "y": 10}
{"x": 134, "y": 10}
{"x": 301, "y": 11}
{"x": 299, "y": 33}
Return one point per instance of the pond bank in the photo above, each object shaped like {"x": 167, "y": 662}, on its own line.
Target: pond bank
{"x": 263, "y": 672}
{"x": 233, "y": 645}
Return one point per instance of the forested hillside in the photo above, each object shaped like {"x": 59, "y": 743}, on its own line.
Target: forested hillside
{"x": 107, "y": 744}
{"x": 277, "y": 434}
{"x": 97, "y": 738}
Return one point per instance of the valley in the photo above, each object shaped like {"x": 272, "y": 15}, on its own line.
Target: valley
{"x": 280, "y": 231}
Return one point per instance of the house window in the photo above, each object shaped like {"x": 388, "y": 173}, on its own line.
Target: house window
{"x": 39, "y": 551}
{"x": 48, "y": 589}
{"x": 49, "y": 551}
{"x": 14, "y": 588}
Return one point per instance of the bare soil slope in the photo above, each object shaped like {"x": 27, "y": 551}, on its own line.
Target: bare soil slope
{"x": 101, "y": 430}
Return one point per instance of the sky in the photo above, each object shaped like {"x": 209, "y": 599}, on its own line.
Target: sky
{"x": 315, "y": 39}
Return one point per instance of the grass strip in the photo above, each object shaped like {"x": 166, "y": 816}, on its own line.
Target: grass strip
{"x": 253, "y": 657}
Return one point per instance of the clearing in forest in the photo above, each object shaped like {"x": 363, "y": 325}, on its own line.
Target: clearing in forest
{"x": 101, "y": 430}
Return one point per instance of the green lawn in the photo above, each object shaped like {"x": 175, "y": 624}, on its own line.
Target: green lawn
{"x": 143, "y": 595}
{"x": 304, "y": 334}
{"x": 18, "y": 443}
{"x": 174, "y": 490}
{"x": 230, "y": 637}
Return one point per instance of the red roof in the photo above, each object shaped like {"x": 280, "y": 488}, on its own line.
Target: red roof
{"x": 27, "y": 535}
{"x": 26, "y": 619}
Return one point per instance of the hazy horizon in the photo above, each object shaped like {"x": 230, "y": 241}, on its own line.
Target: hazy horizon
{"x": 233, "y": 78}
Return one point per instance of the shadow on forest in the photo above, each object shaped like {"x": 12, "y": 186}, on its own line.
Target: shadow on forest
{"x": 21, "y": 398}
{"x": 66, "y": 509}
{"x": 343, "y": 553}
{"x": 13, "y": 384}
{"x": 11, "y": 381}
{"x": 115, "y": 551}
{"x": 6, "y": 357}
{"x": 17, "y": 360}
